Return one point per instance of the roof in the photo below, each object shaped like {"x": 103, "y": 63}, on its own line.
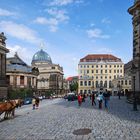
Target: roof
{"x": 72, "y": 78}
{"x": 100, "y": 57}
{"x": 41, "y": 56}
{"x": 16, "y": 60}
{"x": 15, "y": 64}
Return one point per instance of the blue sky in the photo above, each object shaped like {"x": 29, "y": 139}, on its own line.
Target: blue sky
{"x": 69, "y": 29}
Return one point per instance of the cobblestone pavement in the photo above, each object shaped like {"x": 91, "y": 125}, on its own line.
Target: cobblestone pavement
{"x": 57, "y": 119}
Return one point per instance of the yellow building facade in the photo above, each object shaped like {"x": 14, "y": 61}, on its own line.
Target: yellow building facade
{"x": 96, "y": 71}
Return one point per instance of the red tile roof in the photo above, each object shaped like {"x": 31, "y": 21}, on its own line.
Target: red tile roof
{"x": 72, "y": 78}
{"x": 99, "y": 57}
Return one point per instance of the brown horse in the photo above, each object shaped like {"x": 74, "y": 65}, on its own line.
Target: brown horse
{"x": 8, "y": 107}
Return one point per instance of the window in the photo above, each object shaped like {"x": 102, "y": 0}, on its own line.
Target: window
{"x": 96, "y": 84}
{"x": 114, "y": 76}
{"x": 114, "y": 71}
{"x": 105, "y": 71}
{"x": 101, "y": 71}
{"x": 85, "y": 83}
{"x": 129, "y": 82}
{"x": 96, "y": 71}
{"x": 106, "y": 66}
{"x": 110, "y": 84}
{"x": 92, "y": 83}
{"x": 21, "y": 80}
{"x": 81, "y": 66}
{"x": 96, "y": 77}
{"x": 125, "y": 82}
{"x": 53, "y": 67}
{"x": 109, "y": 71}
{"x": 85, "y": 91}
{"x": 101, "y": 77}
{"x": 96, "y": 66}
{"x": 92, "y": 66}
{"x": 117, "y": 71}
{"x": 110, "y": 66}
{"x": 101, "y": 66}
{"x": 81, "y": 83}
{"x": 105, "y": 84}
{"x": 89, "y": 83}
{"x": 89, "y": 91}
{"x": 87, "y": 66}
{"x": 92, "y": 71}
{"x": 121, "y": 82}
{"x": 101, "y": 83}
{"x": 87, "y": 71}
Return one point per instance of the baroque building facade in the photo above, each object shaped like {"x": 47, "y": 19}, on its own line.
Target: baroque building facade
{"x": 3, "y": 51}
{"x": 135, "y": 12}
{"x": 50, "y": 78}
{"x": 96, "y": 71}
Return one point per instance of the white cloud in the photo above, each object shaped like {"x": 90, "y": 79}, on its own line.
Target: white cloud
{"x": 4, "y": 12}
{"x": 106, "y": 20}
{"x": 19, "y": 31}
{"x": 57, "y": 17}
{"x": 22, "y": 52}
{"x": 43, "y": 20}
{"x": 96, "y": 33}
{"x": 60, "y": 15}
{"x": 64, "y": 2}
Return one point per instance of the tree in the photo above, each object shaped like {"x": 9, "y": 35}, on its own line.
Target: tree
{"x": 74, "y": 86}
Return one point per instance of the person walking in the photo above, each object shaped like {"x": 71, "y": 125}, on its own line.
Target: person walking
{"x": 79, "y": 99}
{"x": 93, "y": 99}
{"x": 33, "y": 103}
{"x": 106, "y": 97}
{"x": 37, "y": 102}
{"x": 119, "y": 95}
{"x": 100, "y": 100}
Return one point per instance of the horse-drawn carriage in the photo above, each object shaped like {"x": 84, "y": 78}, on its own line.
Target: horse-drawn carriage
{"x": 8, "y": 107}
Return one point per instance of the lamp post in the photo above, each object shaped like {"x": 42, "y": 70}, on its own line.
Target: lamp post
{"x": 134, "y": 68}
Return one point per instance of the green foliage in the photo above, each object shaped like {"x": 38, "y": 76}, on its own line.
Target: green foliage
{"x": 20, "y": 93}
{"x": 74, "y": 86}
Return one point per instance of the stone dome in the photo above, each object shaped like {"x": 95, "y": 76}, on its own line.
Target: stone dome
{"x": 41, "y": 56}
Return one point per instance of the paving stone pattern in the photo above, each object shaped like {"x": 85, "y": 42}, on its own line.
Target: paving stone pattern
{"x": 57, "y": 119}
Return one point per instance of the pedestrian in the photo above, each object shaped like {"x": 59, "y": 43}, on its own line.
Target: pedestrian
{"x": 37, "y": 102}
{"x": 83, "y": 97}
{"x": 100, "y": 100}
{"x": 106, "y": 97}
{"x": 33, "y": 103}
{"x": 93, "y": 99}
{"x": 119, "y": 95}
{"x": 79, "y": 99}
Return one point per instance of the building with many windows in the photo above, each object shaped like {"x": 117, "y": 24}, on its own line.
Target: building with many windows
{"x": 50, "y": 78}
{"x": 96, "y": 71}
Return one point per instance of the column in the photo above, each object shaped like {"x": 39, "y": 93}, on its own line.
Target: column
{"x": 0, "y": 65}
{"x": 18, "y": 80}
{"x": 3, "y": 65}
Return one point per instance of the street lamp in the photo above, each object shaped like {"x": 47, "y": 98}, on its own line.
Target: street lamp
{"x": 134, "y": 68}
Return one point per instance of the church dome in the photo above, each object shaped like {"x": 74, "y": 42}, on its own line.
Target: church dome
{"x": 41, "y": 56}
